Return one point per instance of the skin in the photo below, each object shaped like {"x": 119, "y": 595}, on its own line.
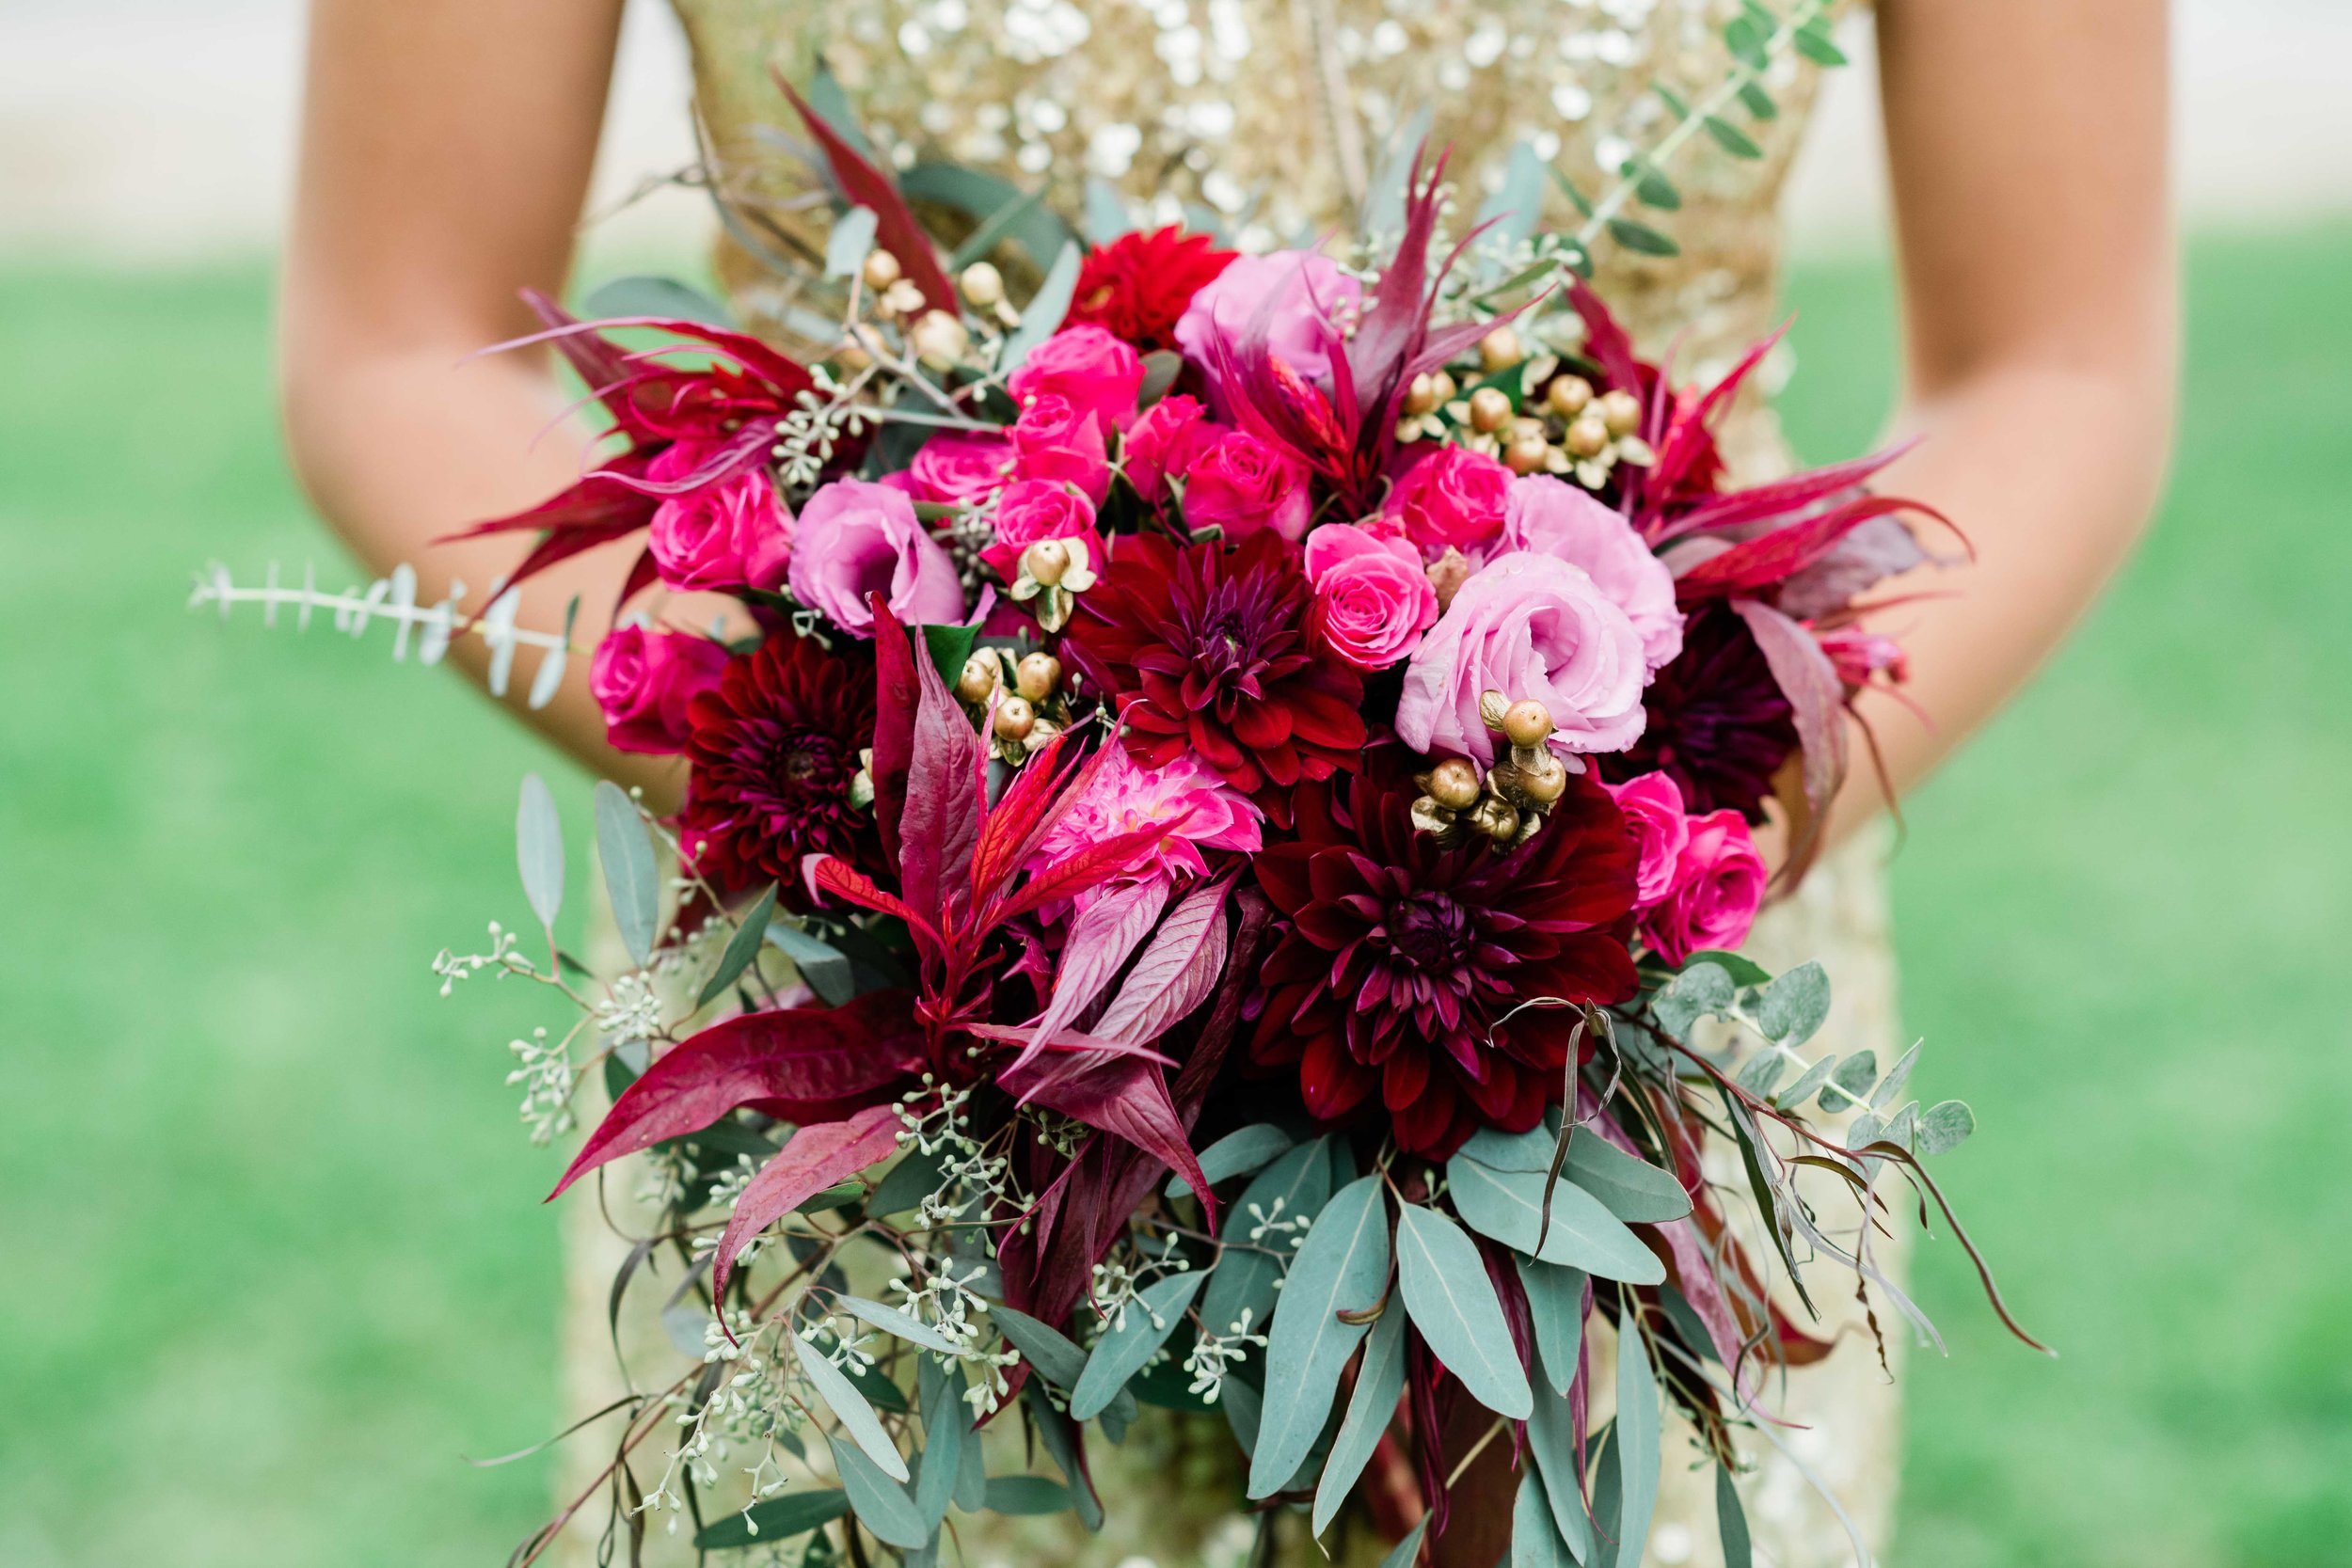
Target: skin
{"x": 446, "y": 150}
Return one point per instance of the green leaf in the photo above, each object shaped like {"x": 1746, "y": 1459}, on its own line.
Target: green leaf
{"x": 1535, "y": 1541}
{"x": 1745, "y": 39}
{"x": 1652, "y": 188}
{"x": 1106, "y": 211}
{"x": 1555, "y": 1305}
{"x": 1642, "y": 238}
{"x": 1731, "y": 138}
{"x": 1850, "y": 1083}
{"x": 775, "y": 1520}
{"x": 1673, "y": 100}
{"x": 1945, "y": 1126}
{"x": 629, "y": 877}
{"x": 914, "y": 1178}
{"x": 971, "y": 1480}
{"x": 850, "y": 241}
{"x": 1060, "y": 1439}
{"x": 1891, "y": 1086}
{"x": 1743, "y": 970}
{"x": 946, "y": 1429}
{"x": 839, "y": 1195}
{"x": 1342, "y": 1266}
{"x": 1057, "y": 1360}
{"x": 1553, "y": 1440}
{"x": 1731, "y": 1522}
{"x": 950, "y": 647}
{"x": 743, "y": 948}
{"x": 1011, "y": 213}
{"x": 1757, "y": 102}
{"x": 1509, "y": 1207}
{"x": 1043, "y": 316}
{"x": 827, "y": 969}
{"x": 1577, "y": 199}
{"x": 1638, "y": 1441}
{"x": 1760, "y": 1073}
{"x": 985, "y": 198}
{"x": 1379, "y": 1383}
{"x": 1237, "y": 1154}
{"x": 1453, "y": 1304}
{"x": 877, "y": 1499}
{"x": 857, "y": 1416}
{"x": 1384, "y": 199}
{"x": 1121, "y": 1352}
{"x": 1794, "y": 1008}
{"x": 1299, "y": 1183}
{"x": 1242, "y": 1413}
{"x": 1021, "y": 1495}
{"x": 1634, "y": 1190}
{"x": 1814, "y": 43}
{"x": 654, "y": 296}
{"x": 1809, "y": 1082}
{"x": 1701, "y": 990}
{"x": 891, "y": 1321}
{"x": 539, "y": 850}
{"x": 1518, "y": 202}
{"x": 1761, "y": 1188}
{"x": 1407, "y": 1551}
{"x": 833, "y": 107}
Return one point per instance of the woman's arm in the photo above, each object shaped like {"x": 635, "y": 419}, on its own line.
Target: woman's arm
{"x": 446, "y": 150}
{"x": 2028, "y": 145}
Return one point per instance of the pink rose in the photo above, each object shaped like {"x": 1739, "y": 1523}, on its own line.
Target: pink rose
{"x": 643, "y": 680}
{"x": 857, "y": 539}
{"x": 1301, "y": 296}
{"x": 954, "y": 468}
{"x": 1031, "y": 510}
{"x": 1243, "y": 485}
{"x": 1454, "y": 496}
{"x": 732, "y": 532}
{"x": 1554, "y": 517}
{"x": 1717, "y": 888}
{"x": 1652, "y": 805}
{"x": 1056, "y": 441}
{"x": 1097, "y": 373}
{"x": 1528, "y": 627}
{"x": 1171, "y": 433}
{"x": 1373, "y": 600}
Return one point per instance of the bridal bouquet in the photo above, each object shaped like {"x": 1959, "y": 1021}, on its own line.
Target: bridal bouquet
{"x": 1214, "y": 882}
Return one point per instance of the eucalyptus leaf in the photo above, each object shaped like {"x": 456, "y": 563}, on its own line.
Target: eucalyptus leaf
{"x": 1535, "y": 1541}
{"x": 1239, "y": 1153}
{"x": 1814, "y": 43}
{"x": 776, "y": 1520}
{"x": 1862, "y": 1131}
{"x": 1809, "y": 1082}
{"x": 743, "y": 948}
{"x": 549, "y": 680}
{"x": 1343, "y": 1266}
{"x": 1453, "y": 1302}
{"x": 539, "y": 850}
{"x": 1384, "y": 194}
{"x": 1731, "y": 1522}
{"x": 1945, "y": 1126}
{"x": 827, "y": 969}
{"x": 857, "y": 1415}
{"x": 1850, "y": 1085}
{"x": 1701, "y": 990}
{"x": 1731, "y": 138}
{"x": 655, "y": 296}
{"x": 1743, "y": 970}
{"x": 1641, "y": 238}
{"x": 1757, "y": 102}
{"x": 1243, "y": 1411}
{"x": 1056, "y": 1359}
{"x": 1890, "y": 1089}
{"x": 629, "y": 877}
{"x": 1638, "y": 1441}
{"x": 1043, "y": 316}
{"x": 906, "y": 1184}
{"x": 1902, "y": 1128}
{"x": 1026, "y": 1495}
{"x": 1407, "y": 1551}
{"x": 1518, "y": 202}
{"x": 1106, "y": 211}
{"x": 1121, "y": 1352}
{"x": 1060, "y": 1439}
{"x": 1652, "y": 188}
{"x": 1793, "y": 1008}
{"x": 946, "y": 1431}
{"x": 1761, "y": 1072}
{"x": 1297, "y": 1184}
{"x": 992, "y": 201}
{"x": 1509, "y": 1207}
{"x": 1633, "y": 1189}
{"x": 891, "y": 1321}
{"x": 850, "y": 241}
{"x": 878, "y": 1498}
{"x": 1555, "y": 1306}
{"x": 1553, "y": 1440}
{"x": 1379, "y": 1383}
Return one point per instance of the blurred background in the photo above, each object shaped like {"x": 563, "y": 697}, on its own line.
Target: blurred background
{"x": 275, "y": 1261}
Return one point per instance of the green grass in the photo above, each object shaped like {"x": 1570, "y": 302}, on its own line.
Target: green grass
{"x": 274, "y": 1256}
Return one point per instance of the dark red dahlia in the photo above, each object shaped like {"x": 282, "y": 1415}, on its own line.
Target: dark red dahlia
{"x": 1717, "y": 722}
{"x": 773, "y": 750}
{"x": 1405, "y": 970}
{"x": 1136, "y": 286}
{"x": 1204, "y": 649}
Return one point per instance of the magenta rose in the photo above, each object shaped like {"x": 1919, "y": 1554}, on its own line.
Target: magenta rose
{"x": 1717, "y": 888}
{"x": 1059, "y": 443}
{"x": 1031, "y": 510}
{"x": 1373, "y": 600}
{"x": 857, "y": 539}
{"x": 1302, "y": 297}
{"x": 643, "y": 680}
{"x": 956, "y": 468}
{"x": 732, "y": 532}
{"x": 1097, "y": 373}
{"x": 1652, "y": 806}
{"x": 1170, "y": 433}
{"x": 1242, "y": 484}
{"x": 1528, "y": 627}
{"x": 1554, "y": 517}
{"x": 1454, "y": 496}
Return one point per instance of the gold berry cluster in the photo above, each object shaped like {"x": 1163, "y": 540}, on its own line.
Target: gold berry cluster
{"x": 1507, "y": 806}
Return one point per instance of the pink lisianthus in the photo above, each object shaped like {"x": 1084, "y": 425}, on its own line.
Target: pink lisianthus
{"x": 1243, "y": 485}
{"x": 1302, "y": 295}
{"x": 1097, "y": 373}
{"x": 1553, "y": 517}
{"x": 732, "y": 532}
{"x": 1453, "y": 497}
{"x": 857, "y": 538}
{"x": 956, "y": 469}
{"x": 643, "y": 681}
{"x": 1652, "y": 806}
{"x": 1031, "y": 510}
{"x": 1719, "y": 885}
{"x": 1170, "y": 433}
{"x": 1372, "y": 600}
{"x": 1056, "y": 441}
{"x": 1127, "y": 796}
{"x": 1527, "y": 625}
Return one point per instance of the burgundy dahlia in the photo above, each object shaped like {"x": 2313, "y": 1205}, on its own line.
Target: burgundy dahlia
{"x": 1717, "y": 722}
{"x": 1406, "y": 970}
{"x": 1205, "y": 649}
{"x": 773, "y": 750}
{"x": 1136, "y": 286}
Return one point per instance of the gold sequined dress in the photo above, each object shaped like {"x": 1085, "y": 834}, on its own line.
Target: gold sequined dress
{"x": 1274, "y": 114}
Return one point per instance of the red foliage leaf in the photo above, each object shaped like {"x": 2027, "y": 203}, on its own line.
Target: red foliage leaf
{"x": 1774, "y": 557}
{"x": 864, "y": 185}
{"x": 798, "y": 1054}
{"x": 1102, "y": 938}
{"x": 1176, "y": 973}
{"x": 1809, "y": 681}
{"x": 812, "y": 1160}
{"x": 832, "y": 873}
{"x": 1126, "y": 1098}
{"x": 947, "y": 792}
{"x": 1090, "y": 867}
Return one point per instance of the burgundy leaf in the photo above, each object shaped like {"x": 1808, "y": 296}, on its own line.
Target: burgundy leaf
{"x": 1774, "y": 557}
{"x": 1879, "y": 549}
{"x": 1039, "y": 793}
{"x": 808, "y": 1055}
{"x": 897, "y": 695}
{"x": 1127, "y": 1099}
{"x": 865, "y": 185}
{"x": 946, "y": 790}
{"x": 1760, "y": 503}
{"x": 1809, "y": 681}
{"x": 1072, "y": 1043}
{"x": 1176, "y": 973}
{"x": 813, "y": 1159}
{"x": 1090, "y": 867}
{"x": 831, "y": 874}
{"x": 1684, "y": 443}
{"x": 1102, "y": 938}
